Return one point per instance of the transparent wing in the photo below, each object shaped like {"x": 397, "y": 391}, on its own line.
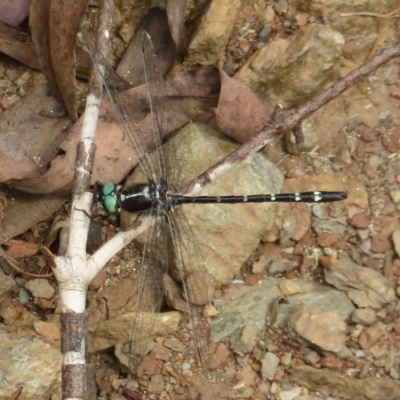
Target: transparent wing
{"x": 196, "y": 283}
{"x": 146, "y": 133}
{"x": 151, "y": 289}
{"x": 174, "y": 165}
{"x": 131, "y": 110}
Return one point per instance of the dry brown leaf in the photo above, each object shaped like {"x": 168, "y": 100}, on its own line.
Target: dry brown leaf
{"x": 26, "y": 210}
{"x": 191, "y": 95}
{"x": 241, "y": 113}
{"x": 29, "y": 140}
{"x": 54, "y": 26}
{"x": 15, "y": 43}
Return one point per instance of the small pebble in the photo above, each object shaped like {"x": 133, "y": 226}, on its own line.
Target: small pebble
{"x": 186, "y": 366}
{"x": 360, "y": 353}
{"x": 23, "y": 296}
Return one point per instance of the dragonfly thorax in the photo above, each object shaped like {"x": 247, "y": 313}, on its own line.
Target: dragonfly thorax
{"x": 139, "y": 197}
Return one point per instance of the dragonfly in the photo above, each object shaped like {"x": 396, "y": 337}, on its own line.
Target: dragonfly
{"x": 165, "y": 169}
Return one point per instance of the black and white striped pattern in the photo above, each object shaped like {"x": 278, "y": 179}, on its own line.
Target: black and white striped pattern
{"x": 303, "y": 197}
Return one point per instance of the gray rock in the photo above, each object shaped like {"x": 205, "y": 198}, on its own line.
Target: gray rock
{"x": 281, "y": 6}
{"x": 244, "y": 342}
{"x": 227, "y": 233}
{"x": 330, "y": 225}
{"x": 265, "y": 34}
{"x": 298, "y": 292}
{"x": 269, "y": 365}
{"x": 23, "y": 296}
{"x": 364, "y": 286}
{"x": 244, "y": 305}
{"x": 311, "y": 357}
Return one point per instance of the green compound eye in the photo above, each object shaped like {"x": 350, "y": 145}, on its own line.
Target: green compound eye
{"x": 108, "y": 188}
{"x": 110, "y": 204}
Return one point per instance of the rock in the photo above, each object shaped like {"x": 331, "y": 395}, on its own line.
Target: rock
{"x": 298, "y": 292}
{"x": 44, "y": 304}
{"x": 364, "y": 316}
{"x": 221, "y": 354}
{"x": 43, "y": 374}
{"x": 311, "y": 357}
{"x": 331, "y": 363}
{"x": 7, "y": 283}
{"x": 286, "y": 359}
{"x": 291, "y": 394}
{"x": 358, "y": 194}
{"x": 296, "y": 223}
{"x": 174, "y": 345}
{"x": 156, "y": 384}
{"x": 247, "y": 377}
{"x": 263, "y": 387}
{"x": 380, "y": 243}
{"x": 371, "y": 335}
{"x": 324, "y": 330}
{"x": 160, "y": 352}
{"x": 392, "y": 143}
{"x": 243, "y": 306}
{"x": 148, "y": 366}
{"x": 228, "y": 233}
{"x": 49, "y": 330}
{"x": 395, "y": 195}
{"x": 396, "y": 241}
{"x": 269, "y": 365}
{"x": 40, "y": 288}
{"x": 281, "y": 6}
{"x": 320, "y": 380}
{"x": 10, "y": 314}
{"x": 327, "y": 239}
{"x": 244, "y": 342}
{"x": 271, "y": 254}
{"x": 364, "y": 286}
{"x": 120, "y": 297}
{"x": 248, "y": 305}
{"x": 368, "y": 134}
{"x": 290, "y": 71}
{"x": 360, "y": 220}
{"x": 107, "y": 334}
{"x": 213, "y": 31}
{"x": 98, "y": 280}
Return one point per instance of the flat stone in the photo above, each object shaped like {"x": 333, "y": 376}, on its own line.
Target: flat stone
{"x": 43, "y": 374}
{"x": 269, "y": 365}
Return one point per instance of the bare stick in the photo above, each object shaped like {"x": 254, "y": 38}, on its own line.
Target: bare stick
{"x": 73, "y": 271}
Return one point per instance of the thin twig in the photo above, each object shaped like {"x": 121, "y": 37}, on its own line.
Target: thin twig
{"x": 391, "y": 14}
{"x": 292, "y": 120}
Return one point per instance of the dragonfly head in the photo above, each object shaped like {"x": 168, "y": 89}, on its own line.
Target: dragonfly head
{"x": 107, "y": 198}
